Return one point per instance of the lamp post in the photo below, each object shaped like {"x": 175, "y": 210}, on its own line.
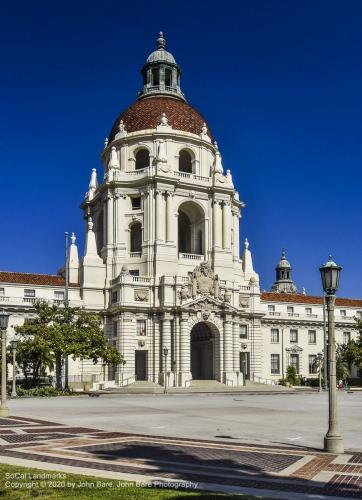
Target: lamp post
{"x": 243, "y": 347}
{"x": 330, "y": 274}
{"x": 165, "y": 353}
{"x": 320, "y": 360}
{"x": 4, "y": 321}
{"x": 13, "y": 345}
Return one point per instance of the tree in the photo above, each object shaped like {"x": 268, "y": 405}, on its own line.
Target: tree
{"x": 350, "y": 354}
{"x": 65, "y": 331}
{"x": 292, "y": 376}
{"x": 34, "y": 358}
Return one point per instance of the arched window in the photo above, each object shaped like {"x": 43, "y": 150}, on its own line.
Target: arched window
{"x": 168, "y": 77}
{"x": 136, "y": 237}
{"x": 185, "y": 162}
{"x": 142, "y": 159}
{"x": 155, "y": 77}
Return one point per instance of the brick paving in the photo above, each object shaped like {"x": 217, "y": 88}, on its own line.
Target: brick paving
{"x": 274, "y": 468}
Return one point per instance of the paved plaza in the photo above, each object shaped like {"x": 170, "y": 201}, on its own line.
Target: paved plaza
{"x": 260, "y": 444}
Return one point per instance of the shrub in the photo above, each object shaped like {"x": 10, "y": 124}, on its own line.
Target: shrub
{"x": 292, "y": 376}
{"x": 42, "y": 392}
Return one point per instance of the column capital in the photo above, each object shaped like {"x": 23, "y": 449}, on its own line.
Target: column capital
{"x": 169, "y": 193}
{"x": 184, "y": 316}
{"x": 167, "y": 317}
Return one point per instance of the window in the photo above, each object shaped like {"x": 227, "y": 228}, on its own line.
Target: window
{"x": 114, "y": 297}
{"x": 274, "y": 339}
{"x": 293, "y": 336}
{"x": 346, "y": 337}
{"x": 312, "y": 337}
{"x": 141, "y": 327}
{"x": 359, "y": 314}
{"x": 136, "y": 237}
{"x": 275, "y": 364}
{"x": 294, "y": 361}
{"x": 243, "y": 331}
{"x": 29, "y": 293}
{"x": 312, "y": 360}
{"x": 308, "y": 311}
{"x": 342, "y": 312}
{"x": 142, "y": 159}
{"x": 136, "y": 202}
{"x": 290, "y": 309}
{"x": 59, "y": 295}
{"x": 115, "y": 328}
{"x": 271, "y": 308}
{"x": 134, "y": 272}
{"x": 2, "y": 292}
{"x": 155, "y": 77}
{"x": 168, "y": 77}
{"x": 184, "y": 162}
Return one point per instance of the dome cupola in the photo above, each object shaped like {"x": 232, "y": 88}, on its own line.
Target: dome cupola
{"x": 161, "y": 73}
{"x": 284, "y": 282}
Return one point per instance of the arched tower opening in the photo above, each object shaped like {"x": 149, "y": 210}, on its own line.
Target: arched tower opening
{"x": 205, "y": 362}
{"x": 142, "y": 158}
{"x": 185, "y": 162}
{"x": 191, "y": 228}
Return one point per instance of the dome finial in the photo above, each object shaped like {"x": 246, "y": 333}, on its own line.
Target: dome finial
{"x": 161, "y": 42}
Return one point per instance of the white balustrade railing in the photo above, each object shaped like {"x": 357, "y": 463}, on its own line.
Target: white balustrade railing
{"x": 190, "y": 256}
{"x": 135, "y": 255}
{"x": 141, "y": 279}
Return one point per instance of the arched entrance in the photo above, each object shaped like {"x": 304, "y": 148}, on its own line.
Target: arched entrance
{"x": 204, "y": 351}
{"x": 191, "y": 223}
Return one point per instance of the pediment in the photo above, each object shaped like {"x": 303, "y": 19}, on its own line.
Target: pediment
{"x": 207, "y": 302}
{"x": 294, "y": 348}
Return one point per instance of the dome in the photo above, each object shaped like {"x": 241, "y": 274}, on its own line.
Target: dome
{"x": 161, "y": 55}
{"x": 146, "y": 113}
{"x": 283, "y": 263}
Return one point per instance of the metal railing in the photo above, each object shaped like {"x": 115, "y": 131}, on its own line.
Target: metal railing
{"x": 261, "y": 380}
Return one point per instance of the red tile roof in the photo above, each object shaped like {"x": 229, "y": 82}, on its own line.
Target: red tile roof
{"x": 146, "y": 114}
{"x": 297, "y": 298}
{"x": 32, "y": 279}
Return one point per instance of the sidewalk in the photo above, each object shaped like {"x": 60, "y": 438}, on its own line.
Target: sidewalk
{"x": 280, "y": 472}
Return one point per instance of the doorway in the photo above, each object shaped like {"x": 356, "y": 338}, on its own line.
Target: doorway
{"x": 245, "y": 364}
{"x": 202, "y": 352}
{"x": 141, "y": 365}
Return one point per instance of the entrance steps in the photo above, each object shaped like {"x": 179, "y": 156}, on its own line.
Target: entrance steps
{"x": 197, "y": 386}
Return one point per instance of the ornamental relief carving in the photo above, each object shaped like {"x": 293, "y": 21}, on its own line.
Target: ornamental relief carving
{"x": 141, "y": 295}
{"x": 243, "y": 301}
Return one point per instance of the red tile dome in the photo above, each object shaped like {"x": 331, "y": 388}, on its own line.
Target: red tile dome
{"x": 146, "y": 113}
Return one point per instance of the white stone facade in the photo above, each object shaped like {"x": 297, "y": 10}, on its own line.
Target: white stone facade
{"x": 162, "y": 262}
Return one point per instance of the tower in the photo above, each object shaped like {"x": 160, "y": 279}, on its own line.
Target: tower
{"x": 163, "y": 236}
{"x": 283, "y": 281}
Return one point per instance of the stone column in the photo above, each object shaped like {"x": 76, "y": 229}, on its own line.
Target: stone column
{"x": 120, "y": 211}
{"x": 185, "y": 358}
{"x": 145, "y": 215}
{"x": 228, "y": 349}
{"x": 170, "y": 219}
{"x": 110, "y": 239}
{"x": 166, "y": 342}
{"x": 226, "y": 226}
{"x": 236, "y": 351}
{"x": 217, "y": 229}
{"x": 236, "y": 245}
{"x": 159, "y": 215}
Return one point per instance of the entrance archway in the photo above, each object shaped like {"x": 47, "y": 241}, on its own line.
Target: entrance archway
{"x": 204, "y": 351}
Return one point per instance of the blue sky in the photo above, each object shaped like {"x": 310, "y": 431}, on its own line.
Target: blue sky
{"x": 278, "y": 81}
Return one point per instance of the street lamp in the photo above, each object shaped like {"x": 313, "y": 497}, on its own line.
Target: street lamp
{"x": 4, "y": 321}
{"x": 13, "y": 345}
{"x": 165, "y": 353}
{"x": 320, "y": 360}
{"x": 330, "y": 274}
{"x": 244, "y": 346}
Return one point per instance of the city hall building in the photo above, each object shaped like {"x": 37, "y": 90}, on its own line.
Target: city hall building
{"x": 162, "y": 261}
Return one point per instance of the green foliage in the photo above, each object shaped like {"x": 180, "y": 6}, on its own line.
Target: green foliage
{"x": 46, "y": 391}
{"x": 61, "y": 331}
{"x": 291, "y": 376}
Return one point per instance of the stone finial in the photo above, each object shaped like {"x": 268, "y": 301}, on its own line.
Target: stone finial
{"x": 246, "y": 243}
{"x": 204, "y": 129}
{"x": 229, "y": 177}
{"x": 90, "y": 224}
{"x": 161, "y": 42}
{"x": 73, "y": 238}
{"x": 164, "y": 120}
{"x": 93, "y": 184}
{"x": 216, "y": 146}
{"x": 247, "y": 259}
{"x": 113, "y": 159}
{"x": 218, "y": 169}
{"x": 105, "y": 142}
{"x": 121, "y": 127}
{"x": 304, "y": 291}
